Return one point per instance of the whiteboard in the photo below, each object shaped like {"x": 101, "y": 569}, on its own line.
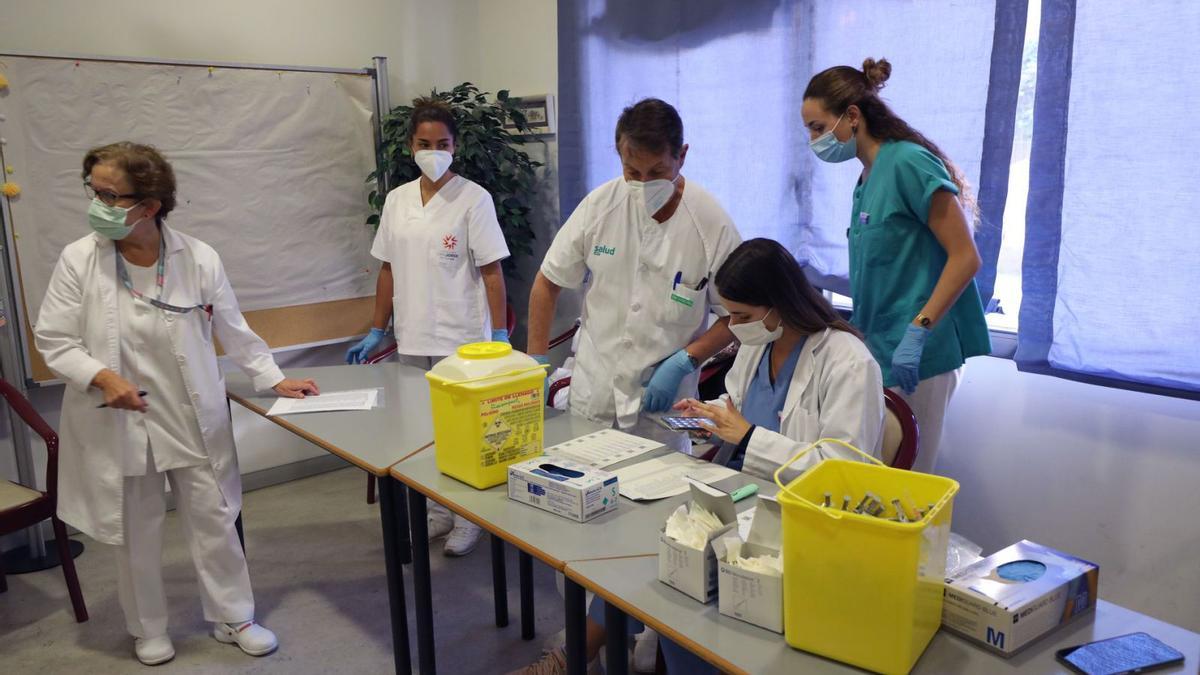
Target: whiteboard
{"x": 270, "y": 167}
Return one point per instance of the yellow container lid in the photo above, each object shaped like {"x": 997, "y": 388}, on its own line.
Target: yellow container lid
{"x": 484, "y": 350}
{"x": 481, "y": 365}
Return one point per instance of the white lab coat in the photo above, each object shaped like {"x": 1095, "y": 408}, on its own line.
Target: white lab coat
{"x": 439, "y": 299}
{"x": 634, "y": 313}
{"x": 836, "y": 392}
{"x": 78, "y": 334}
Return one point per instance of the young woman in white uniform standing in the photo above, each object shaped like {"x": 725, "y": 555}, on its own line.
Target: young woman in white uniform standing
{"x": 441, "y": 281}
{"x": 129, "y": 327}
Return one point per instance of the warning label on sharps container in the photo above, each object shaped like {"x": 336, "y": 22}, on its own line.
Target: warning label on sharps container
{"x": 510, "y": 427}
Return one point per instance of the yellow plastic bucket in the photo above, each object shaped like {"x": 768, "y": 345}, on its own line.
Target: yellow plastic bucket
{"x": 488, "y": 412}
{"x": 859, "y": 589}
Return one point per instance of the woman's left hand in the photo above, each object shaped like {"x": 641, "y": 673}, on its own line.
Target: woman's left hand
{"x": 291, "y": 388}
{"x": 727, "y": 422}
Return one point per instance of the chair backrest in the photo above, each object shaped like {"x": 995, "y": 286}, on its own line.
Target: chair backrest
{"x": 30, "y": 416}
{"x": 901, "y": 437}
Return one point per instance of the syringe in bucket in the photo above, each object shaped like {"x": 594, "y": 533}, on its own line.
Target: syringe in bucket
{"x": 872, "y": 505}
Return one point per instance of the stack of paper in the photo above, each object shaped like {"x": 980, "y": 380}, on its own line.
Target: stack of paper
{"x": 604, "y": 448}
{"x": 354, "y": 399}
{"x": 667, "y": 476}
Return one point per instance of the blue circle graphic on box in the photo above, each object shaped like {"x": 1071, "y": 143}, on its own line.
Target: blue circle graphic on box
{"x": 1021, "y": 570}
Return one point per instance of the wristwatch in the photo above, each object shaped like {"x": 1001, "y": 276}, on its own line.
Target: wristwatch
{"x": 923, "y": 321}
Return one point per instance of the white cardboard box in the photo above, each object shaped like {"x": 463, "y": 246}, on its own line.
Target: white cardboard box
{"x": 753, "y": 597}
{"x": 563, "y": 486}
{"x": 691, "y": 570}
{"x": 990, "y": 603}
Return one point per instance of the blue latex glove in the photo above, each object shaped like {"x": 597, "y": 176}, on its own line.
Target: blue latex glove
{"x": 360, "y": 352}
{"x": 500, "y": 335}
{"x": 545, "y": 361}
{"x": 664, "y": 383}
{"x": 906, "y": 360}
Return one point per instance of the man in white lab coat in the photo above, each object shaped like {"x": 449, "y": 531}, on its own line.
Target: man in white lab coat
{"x": 647, "y": 245}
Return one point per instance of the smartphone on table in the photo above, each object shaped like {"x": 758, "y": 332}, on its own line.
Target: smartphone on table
{"x": 1133, "y": 653}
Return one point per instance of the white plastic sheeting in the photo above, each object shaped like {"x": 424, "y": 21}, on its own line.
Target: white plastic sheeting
{"x": 270, "y": 167}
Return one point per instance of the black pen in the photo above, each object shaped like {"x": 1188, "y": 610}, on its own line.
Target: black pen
{"x": 140, "y": 393}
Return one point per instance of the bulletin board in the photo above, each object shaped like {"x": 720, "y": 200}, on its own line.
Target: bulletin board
{"x": 270, "y": 166}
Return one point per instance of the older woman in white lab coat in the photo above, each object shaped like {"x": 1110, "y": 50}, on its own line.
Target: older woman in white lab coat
{"x": 128, "y": 322}
{"x": 802, "y": 372}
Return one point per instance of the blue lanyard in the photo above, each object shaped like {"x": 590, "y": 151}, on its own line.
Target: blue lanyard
{"x": 161, "y": 275}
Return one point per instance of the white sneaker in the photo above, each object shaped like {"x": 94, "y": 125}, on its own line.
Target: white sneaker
{"x": 463, "y": 538}
{"x": 154, "y": 651}
{"x": 439, "y": 520}
{"x": 645, "y": 651}
{"x": 251, "y": 637}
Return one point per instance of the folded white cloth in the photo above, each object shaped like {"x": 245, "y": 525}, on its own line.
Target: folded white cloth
{"x": 692, "y": 527}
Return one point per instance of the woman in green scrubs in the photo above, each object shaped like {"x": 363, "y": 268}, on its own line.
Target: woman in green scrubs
{"x": 912, "y": 257}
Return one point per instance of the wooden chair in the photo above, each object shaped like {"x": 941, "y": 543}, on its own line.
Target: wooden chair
{"x": 22, "y": 507}
{"x": 901, "y": 436}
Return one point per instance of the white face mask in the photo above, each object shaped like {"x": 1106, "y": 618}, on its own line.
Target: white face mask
{"x": 653, "y": 194}
{"x": 754, "y": 333}
{"x": 433, "y": 163}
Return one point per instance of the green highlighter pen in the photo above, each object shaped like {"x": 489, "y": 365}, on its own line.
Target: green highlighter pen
{"x": 743, "y": 492}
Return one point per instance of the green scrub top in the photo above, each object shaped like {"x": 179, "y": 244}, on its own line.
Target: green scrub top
{"x": 895, "y": 261}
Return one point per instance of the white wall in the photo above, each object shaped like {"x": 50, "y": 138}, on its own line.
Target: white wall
{"x": 427, "y": 42}
{"x": 1104, "y": 474}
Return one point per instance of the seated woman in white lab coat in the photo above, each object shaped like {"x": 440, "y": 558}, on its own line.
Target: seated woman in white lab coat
{"x": 128, "y": 323}
{"x": 440, "y": 281}
{"x": 802, "y": 372}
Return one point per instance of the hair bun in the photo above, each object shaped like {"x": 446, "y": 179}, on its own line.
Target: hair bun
{"x": 877, "y": 72}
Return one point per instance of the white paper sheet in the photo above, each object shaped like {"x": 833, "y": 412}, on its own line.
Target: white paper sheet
{"x": 604, "y": 448}
{"x": 351, "y": 399}
{"x": 667, "y": 476}
{"x": 744, "y": 519}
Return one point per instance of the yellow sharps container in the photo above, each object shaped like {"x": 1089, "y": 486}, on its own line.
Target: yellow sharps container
{"x": 487, "y": 412}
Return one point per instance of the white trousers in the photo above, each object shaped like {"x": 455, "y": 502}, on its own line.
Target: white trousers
{"x": 422, "y": 362}
{"x": 929, "y": 403}
{"x": 208, "y": 526}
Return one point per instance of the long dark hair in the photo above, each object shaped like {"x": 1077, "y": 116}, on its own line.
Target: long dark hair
{"x": 762, "y": 273}
{"x": 840, "y": 87}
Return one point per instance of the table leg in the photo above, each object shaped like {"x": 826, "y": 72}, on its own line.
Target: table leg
{"x": 499, "y": 581}
{"x": 617, "y": 644}
{"x": 576, "y": 615}
{"x": 241, "y": 534}
{"x": 392, "y": 554}
{"x": 419, "y": 528}
{"x": 526, "y": 569}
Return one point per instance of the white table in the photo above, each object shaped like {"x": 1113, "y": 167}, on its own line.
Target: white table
{"x": 735, "y": 646}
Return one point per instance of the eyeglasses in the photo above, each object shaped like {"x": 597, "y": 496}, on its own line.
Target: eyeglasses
{"x": 107, "y": 198}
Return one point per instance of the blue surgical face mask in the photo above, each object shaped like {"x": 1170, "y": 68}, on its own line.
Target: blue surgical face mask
{"x": 109, "y": 221}
{"x": 830, "y": 149}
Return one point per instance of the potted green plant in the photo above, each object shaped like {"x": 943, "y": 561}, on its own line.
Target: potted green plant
{"x": 486, "y": 153}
